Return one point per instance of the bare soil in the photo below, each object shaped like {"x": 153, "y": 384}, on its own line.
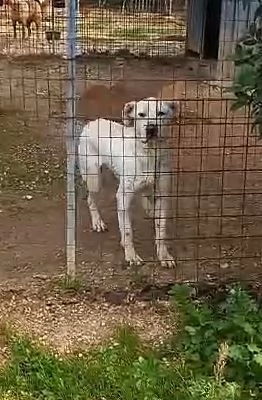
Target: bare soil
{"x": 68, "y": 319}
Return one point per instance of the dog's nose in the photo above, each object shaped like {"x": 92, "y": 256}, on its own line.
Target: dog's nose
{"x": 151, "y": 131}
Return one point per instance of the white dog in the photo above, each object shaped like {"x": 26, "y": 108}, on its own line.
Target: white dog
{"x": 138, "y": 155}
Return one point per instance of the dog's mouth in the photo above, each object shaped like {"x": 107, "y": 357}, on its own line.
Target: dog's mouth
{"x": 152, "y": 140}
{"x": 151, "y": 134}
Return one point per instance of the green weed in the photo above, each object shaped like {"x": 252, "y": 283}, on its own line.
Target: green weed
{"x": 215, "y": 356}
{"x": 237, "y": 321}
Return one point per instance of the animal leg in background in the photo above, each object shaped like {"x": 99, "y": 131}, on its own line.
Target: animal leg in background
{"x": 23, "y": 31}
{"x": 14, "y": 28}
{"x": 28, "y": 25}
{"x": 37, "y": 26}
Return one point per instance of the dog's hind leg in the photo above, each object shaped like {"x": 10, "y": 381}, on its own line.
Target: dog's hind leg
{"x": 161, "y": 210}
{"x": 124, "y": 198}
{"x": 162, "y": 207}
{"x": 92, "y": 181}
{"x": 90, "y": 175}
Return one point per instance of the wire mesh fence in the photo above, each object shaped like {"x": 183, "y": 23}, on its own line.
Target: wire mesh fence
{"x": 213, "y": 222}
{"x": 101, "y": 29}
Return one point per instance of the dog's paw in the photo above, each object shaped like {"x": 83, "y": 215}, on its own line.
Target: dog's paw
{"x": 168, "y": 263}
{"x": 98, "y": 225}
{"x": 132, "y": 258}
{"x": 166, "y": 260}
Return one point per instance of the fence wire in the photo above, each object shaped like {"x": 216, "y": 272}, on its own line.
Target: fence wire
{"x": 123, "y": 52}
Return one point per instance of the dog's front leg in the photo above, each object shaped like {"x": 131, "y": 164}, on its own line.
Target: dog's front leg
{"x": 161, "y": 210}
{"x": 124, "y": 198}
{"x": 148, "y": 205}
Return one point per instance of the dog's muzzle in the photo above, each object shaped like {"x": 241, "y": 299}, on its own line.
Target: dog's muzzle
{"x": 151, "y": 131}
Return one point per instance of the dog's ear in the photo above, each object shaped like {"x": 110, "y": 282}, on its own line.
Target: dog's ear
{"x": 128, "y": 113}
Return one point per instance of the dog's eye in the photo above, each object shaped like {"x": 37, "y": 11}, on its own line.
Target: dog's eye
{"x": 141, "y": 115}
{"x": 161, "y": 113}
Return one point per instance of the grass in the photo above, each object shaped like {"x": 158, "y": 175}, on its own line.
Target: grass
{"x": 124, "y": 369}
{"x": 206, "y": 360}
{"x": 69, "y": 285}
{"x": 105, "y": 24}
{"x": 29, "y": 165}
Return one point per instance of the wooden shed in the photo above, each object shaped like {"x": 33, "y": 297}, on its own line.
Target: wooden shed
{"x": 214, "y": 27}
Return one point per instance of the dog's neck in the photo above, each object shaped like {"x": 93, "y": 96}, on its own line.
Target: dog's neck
{"x": 149, "y": 147}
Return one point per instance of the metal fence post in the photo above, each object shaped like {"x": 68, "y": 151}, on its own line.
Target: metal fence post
{"x": 70, "y": 140}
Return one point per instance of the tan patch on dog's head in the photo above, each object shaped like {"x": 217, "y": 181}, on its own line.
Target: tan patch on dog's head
{"x": 128, "y": 113}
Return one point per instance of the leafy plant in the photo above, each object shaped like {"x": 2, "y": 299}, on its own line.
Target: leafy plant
{"x": 124, "y": 369}
{"x": 209, "y": 389}
{"x": 247, "y": 85}
{"x": 237, "y": 322}
{"x": 197, "y": 333}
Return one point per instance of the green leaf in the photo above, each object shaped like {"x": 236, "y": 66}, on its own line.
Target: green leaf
{"x": 253, "y": 348}
{"x": 236, "y": 352}
{"x": 258, "y": 359}
{"x": 245, "y": 76}
{"x": 245, "y": 325}
{"x": 249, "y": 41}
{"x": 180, "y": 292}
{"x": 194, "y": 357}
{"x": 191, "y": 330}
{"x": 238, "y": 104}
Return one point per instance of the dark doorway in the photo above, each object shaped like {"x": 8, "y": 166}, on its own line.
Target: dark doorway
{"x": 59, "y": 3}
{"x": 212, "y": 29}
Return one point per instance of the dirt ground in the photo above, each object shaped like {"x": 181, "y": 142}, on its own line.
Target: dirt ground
{"x": 214, "y": 229}
{"x": 68, "y": 319}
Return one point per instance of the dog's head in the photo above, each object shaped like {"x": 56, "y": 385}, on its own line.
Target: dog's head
{"x": 149, "y": 117}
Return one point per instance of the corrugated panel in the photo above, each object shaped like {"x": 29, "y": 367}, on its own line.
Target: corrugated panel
{"x": 196, "y": 19}
{"x": 235, "y": 19}
{"x": 234, "y": 22}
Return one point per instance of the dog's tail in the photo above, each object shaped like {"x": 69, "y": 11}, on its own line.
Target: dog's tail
{"x": 92, "y": 181}
{"x": 88, "y": 177}
{"x": 87, "y": 170}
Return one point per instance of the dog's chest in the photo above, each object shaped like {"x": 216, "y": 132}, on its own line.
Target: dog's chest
{"x": 133, "y": 160}
{"x": 146, "y": 168}
{"x": 149, "y": 161}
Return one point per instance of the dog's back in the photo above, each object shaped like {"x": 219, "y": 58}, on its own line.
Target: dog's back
{"x": 103, "y": 128}
{"x": 109, "y": 142}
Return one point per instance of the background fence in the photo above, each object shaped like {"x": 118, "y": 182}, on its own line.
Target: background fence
{"x": 116, "y": 29}
{"x": 127, "y": 51}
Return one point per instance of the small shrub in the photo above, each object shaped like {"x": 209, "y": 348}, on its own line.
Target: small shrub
{"x": 237, "y": 322}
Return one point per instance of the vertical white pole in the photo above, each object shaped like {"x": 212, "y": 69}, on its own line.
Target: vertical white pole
{"x": 170, "y": 7}
{"x": 70, "y": 140}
